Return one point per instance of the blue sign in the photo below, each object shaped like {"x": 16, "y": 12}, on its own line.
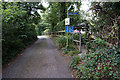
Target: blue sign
{"x": 74, "y": 13}
{"x": 70, "y": 28}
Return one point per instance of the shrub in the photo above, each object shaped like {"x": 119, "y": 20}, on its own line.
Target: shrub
{"x": 15, "y": 39}
{"x": 70, "y": 40}
{"x": 98, "y": 43}
{"x": 74, "y": 52}
{"x": 61, "y": 41}
{"x": 75, "y": 62}
{"x": 77, "y": 37}
{"x": 70, "y": 50}
{"x": 60, "y": 25}
{"x": 104, "y": 63}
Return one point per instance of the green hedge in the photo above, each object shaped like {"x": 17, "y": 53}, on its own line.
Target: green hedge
{"x": 61, "y": 41}
{"x": 18, "y": 31}
{"x": 15, "y": 39}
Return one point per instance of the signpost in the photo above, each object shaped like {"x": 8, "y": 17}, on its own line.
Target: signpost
{"x": 74, "y": 13}
{"x": 70, "y": 29}
{"x": 67, "y": 23}
{"x": 69, "y": 8}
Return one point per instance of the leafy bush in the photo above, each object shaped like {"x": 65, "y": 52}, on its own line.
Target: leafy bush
{"x": 61, "y": 41}
{"x": 70, "y": 43}
{"x": 60, "y": 25}
{"x": 101, "y": 62}
{"x": 70, "y": 50}
{"x": 97, "y": 43}
{"x": 15, "y": 40}
{"x": 17, "y": 31}
{"x": 104, "y": 63}
{"x": 100, "y": 42}
{"x": 77, "y": 37}
{"x": 75, "y": 62}
{"x": 74, "y": 52}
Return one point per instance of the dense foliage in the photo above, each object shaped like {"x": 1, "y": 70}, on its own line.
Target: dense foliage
{"x": 18, "y": 29}
{"x": 100, "y": 62}
{"x": 56, "y": 13}
{"x": 105, "y": 24}
{"x": 77, "y": 37}
{"x": 72, "y": 47}
{"x": 102, "y": 59}
{"x": 61, "y": 41}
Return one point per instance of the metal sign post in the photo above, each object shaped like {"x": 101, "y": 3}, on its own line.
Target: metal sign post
{"x": 67, "y": 26}
{"x": 67, "y": 22}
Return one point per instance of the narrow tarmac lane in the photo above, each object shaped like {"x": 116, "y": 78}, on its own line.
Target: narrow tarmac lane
{"x": 41, "y": 60}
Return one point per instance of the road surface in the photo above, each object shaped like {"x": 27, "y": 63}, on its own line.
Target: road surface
{"x": 41, "y": 60}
